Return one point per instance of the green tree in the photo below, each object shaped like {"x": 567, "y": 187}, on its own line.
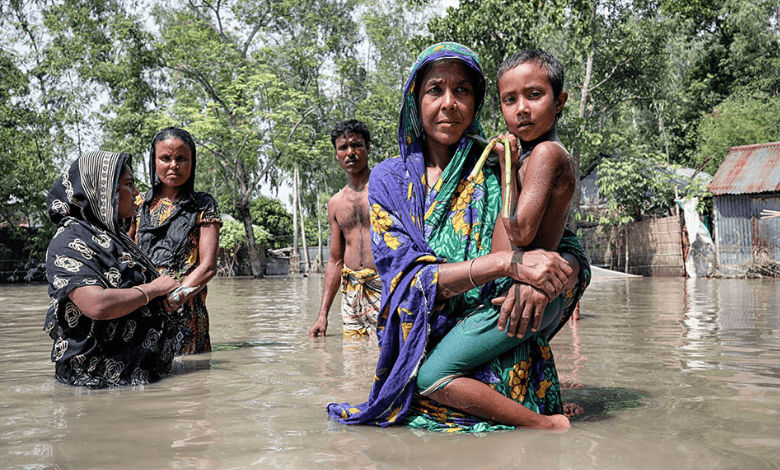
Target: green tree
{"x": 248, "y": 81}
{"x": 636, "y": 187}
{"x": 270, "y": 214}
{"x": 106, "y": 48}
{"x": 736, "y": 49}
{"x": 739, "y": 120}
{"x": 26, "y": 169}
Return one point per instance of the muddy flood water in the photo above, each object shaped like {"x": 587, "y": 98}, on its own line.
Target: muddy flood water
{"x": 670, "y": 374}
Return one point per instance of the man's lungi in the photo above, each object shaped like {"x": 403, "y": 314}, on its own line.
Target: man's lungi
{"x": 362, "y": 292}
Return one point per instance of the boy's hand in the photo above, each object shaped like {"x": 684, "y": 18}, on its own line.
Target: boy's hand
{"x": 523, "y": 305}
{"x": 514, "y": 147}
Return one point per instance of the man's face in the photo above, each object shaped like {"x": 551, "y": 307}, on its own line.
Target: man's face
{"x": 352, "y": 153}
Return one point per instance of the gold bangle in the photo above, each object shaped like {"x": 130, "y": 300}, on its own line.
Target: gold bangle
{"x": 471, "y": 278}
{"x": 143, "y": 292}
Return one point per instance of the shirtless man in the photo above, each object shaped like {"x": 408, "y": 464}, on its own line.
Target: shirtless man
{"x": 350, "y": 239}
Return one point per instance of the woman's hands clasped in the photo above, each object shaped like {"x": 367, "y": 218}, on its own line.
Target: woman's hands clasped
{"x": 542, "y": 276}
{"x": 545, "y": 270}
{"x": 163, "y": 286}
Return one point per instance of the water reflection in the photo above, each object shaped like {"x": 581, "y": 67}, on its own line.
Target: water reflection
{"x": 670, "y": 373}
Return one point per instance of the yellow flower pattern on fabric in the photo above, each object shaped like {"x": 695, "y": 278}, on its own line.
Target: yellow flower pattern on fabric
{"x": 458, "y": 206}
{"x": 394, "y": 414}
{"x": 406, "y": 327}
{"x": 391, "y": 241}
{"x": 380, "y": 219}
{"x": 543, "y": 386}
{"x": 460, "y": 225}
{"x": 545, "y": 352}
{"x": 464, "y": 192}
{"x": 192, "y": 258}
{"x": 518, "y": 380}
{"x": 431, "y": 210}
{"x": 395, "y": 281}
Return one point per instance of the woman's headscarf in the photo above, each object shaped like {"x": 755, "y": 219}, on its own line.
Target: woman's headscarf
{"x": 89, "y": 192}
{"x": 410, "y": 131}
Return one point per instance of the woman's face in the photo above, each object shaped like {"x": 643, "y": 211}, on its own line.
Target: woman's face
{"x": 447, "y": 103}
{"x": 173, "y": 162}
{"x": 127, "y": 194}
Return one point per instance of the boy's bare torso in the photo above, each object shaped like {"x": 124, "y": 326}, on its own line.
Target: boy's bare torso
{"x": 545, "y": 182}
{"x": 551, "y": 164}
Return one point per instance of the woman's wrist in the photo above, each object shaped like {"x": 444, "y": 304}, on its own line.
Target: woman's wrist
{"x": 491, "y": 267}
{"x": 510, "y": 258}
{"x": 143, "y": 291}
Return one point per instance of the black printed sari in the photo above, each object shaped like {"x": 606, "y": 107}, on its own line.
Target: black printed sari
{"x": 90, "y": 248}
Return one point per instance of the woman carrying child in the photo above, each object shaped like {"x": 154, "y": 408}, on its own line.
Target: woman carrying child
{"x": 443, "y": 256}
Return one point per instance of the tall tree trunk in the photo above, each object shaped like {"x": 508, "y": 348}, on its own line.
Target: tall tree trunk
{"x": 319, "y": 238}
{"x": 307, "y": 266}
{"x": 254, "y": 260}
{"x": 294, "y": 256}
{"x": 581, "y": 112}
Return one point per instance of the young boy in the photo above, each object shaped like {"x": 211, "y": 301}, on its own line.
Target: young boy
{"x": 531, "y": 95}
{"x": 350, "y": 239}
{"x": 530, "y": 89}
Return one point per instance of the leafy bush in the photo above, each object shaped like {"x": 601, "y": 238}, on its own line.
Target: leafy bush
{"x": 636, "y": 186}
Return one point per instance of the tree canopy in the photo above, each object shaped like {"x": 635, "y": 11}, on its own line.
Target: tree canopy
{"x": 260, "y": 84}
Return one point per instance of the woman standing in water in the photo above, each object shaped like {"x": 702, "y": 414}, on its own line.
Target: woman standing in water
{"x": 106, "y": 316}
{"x": 443, "y": 255}
{"x": 179, "y": 229}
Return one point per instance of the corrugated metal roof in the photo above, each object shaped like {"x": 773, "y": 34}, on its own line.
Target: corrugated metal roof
{"x": 749, "y": 169}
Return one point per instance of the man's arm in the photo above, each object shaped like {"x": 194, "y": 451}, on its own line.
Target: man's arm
{"x": 332, "y": 271}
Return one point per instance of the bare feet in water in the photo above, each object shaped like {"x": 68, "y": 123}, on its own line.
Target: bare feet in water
{"x": 559, "y": 423}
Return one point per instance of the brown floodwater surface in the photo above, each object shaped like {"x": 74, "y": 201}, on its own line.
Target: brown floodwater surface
{"x": 665, "y": 374}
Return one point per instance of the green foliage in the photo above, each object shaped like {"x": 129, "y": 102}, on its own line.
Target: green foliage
{"x": 635, "y": 187}
{"x": 732, "y": 47}
{"x": 232, "y": 236}
{"x": 388, "y": 26}
{"x": 273, "y": 217}
{"x": 26, "y": 168}
{"x": 738, "y": 120}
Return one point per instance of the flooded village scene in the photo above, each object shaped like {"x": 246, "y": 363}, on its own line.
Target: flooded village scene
{"x": 249, "y": 234}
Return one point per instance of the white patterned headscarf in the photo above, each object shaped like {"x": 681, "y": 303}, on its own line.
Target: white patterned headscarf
{"x": 89, "y": 190}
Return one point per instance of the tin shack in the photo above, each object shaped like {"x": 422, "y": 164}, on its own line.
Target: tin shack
{"x": 746, "y": 196}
